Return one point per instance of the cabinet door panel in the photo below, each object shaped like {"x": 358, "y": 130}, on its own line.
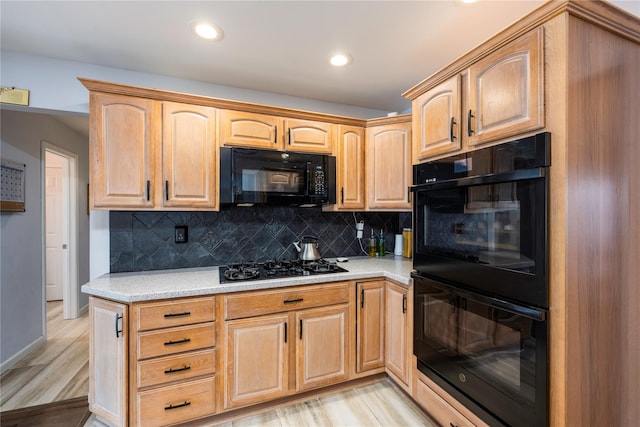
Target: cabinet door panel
{"x": 321, "y": 350}
{"x": 189, "y": 155}
{"x": 437, "y": 130}
{"x": 370, "y": 329}
{"x": 350, "y": 165}
{"x": 506, "y": 90}
{"x": 257, "y": 360}
{"x": 397, "y": 348}
{"x": 389, "y": 166}
{"x": 108, "y": 352}
{"x": 250, "y": 130}
{"x": 309, "y": 136}
{"x": 123, "y": 143}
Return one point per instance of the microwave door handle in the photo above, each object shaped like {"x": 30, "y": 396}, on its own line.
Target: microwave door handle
{"x": 308, "y": 180}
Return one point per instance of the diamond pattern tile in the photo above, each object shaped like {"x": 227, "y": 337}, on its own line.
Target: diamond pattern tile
{"x": 144, "y": 240}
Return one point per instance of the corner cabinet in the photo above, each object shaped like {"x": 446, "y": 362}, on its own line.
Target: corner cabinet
{"x": 108, "y": 355}
{"x": 148, "y": 154}
{"x": 388, "y": 166}
{"x": 370, "y": 328}
{"x": 398, "y": 335}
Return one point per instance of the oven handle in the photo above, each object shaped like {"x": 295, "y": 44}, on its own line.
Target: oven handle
{"x": 524, "y": 311}
{"x": 494, "y": 178}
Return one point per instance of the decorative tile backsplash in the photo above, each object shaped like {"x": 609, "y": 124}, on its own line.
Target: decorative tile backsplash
{"x": 145, "y": 240}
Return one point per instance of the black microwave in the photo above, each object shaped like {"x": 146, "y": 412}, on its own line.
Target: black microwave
{"x": 252, "y": 176}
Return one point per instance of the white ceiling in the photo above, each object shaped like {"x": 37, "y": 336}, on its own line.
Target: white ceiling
{"x": 272, "y": 46}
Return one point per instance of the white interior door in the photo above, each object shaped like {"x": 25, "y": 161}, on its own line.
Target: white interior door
{"x": 56, "y": 240}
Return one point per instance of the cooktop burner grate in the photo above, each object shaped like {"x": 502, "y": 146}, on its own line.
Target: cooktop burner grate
{"x": 272, "y": 269}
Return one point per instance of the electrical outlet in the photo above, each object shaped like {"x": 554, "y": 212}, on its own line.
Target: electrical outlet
{"x": 359, "y": 229}
{"x": 181, "y": 234}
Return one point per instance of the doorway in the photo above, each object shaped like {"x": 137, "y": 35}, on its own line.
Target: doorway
{"x": 60, "y": 218}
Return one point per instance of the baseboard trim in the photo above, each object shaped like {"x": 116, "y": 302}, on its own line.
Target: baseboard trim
{"x": 10, "y": 362}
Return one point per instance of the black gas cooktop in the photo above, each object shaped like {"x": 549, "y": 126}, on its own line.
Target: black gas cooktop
{"x": 239, "y": 272}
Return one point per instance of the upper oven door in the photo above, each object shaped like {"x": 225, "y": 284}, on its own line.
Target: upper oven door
{"x": 488, "y": 234}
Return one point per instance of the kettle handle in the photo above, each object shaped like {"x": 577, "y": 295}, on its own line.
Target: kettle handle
{"x": 310, "y": 237}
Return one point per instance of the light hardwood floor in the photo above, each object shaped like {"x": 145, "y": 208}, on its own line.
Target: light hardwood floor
{"x": 58, "y": 370}
{"x": 373, "y": 405}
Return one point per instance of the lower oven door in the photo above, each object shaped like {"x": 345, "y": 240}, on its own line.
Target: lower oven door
{"x": 484, "y": 349}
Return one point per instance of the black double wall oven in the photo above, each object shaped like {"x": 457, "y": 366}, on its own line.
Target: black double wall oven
{"x": 481, "y": 293}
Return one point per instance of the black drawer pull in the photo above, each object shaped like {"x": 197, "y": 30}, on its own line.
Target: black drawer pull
{"x": 185, "y": 313}
{"x": 173, "y": 371}
{"x": 182, "y": 405}
{"x": 292, "y": 301}
{"x": 118, "y": 331}
{"x": 184, "y": 341}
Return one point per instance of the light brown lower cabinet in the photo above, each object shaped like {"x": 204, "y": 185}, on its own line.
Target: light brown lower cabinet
{"x": 398, "y": 328}
{"x": 370, "y": 328}
{"x": 257, "y": 359}
{"x": 108, "y": 353}
{"x": 279, "y": 342}
{"x": 443, "y": 408}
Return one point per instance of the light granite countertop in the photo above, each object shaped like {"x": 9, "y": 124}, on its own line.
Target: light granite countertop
{"x": 162, "y": 284}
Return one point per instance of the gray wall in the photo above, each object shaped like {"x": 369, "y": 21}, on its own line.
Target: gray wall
{"x": 21, "y": 250}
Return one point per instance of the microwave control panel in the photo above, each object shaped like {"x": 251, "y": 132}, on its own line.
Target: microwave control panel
{"x": 319, "y": 182}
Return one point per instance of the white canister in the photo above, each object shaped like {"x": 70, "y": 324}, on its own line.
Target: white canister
{"x": 397, "y": 249}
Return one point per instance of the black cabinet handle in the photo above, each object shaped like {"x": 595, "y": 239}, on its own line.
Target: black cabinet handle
{"x": 181, "y": 405}
{"x": 451, "y": 135}
{"x": 183, "y": 341}
{"x": 275, "y": 138}
{"x": 469, "y": 117}
{"x": 404, "y": 304}
{"x": 184, "y": 313}
{"x": 148, "y": 190}
{"x": 361, "y": 298}
{"x": 285, "y": 332}
{"x": 300, "y": 328}
{"x": 289, "y": 131}
{"x": 118, "y": 331}
{"x": 342, "y": 195}
{"x": 166, "y": 190}
{"x": 452, "y": 425}
{"x": 293, "y": 301}
{"x": 173, "y": 371}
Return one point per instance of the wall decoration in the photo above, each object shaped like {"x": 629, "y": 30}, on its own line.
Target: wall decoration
{"x": 12, "y": 186}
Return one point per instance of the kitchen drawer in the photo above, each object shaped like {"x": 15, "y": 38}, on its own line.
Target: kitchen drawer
{"x": 176, "y": 403}
{"x": 175, "y": 368}
{"x": 438, "y": 408}
{"x": 174, "y": 313}
{"x": 257, "y": 303}
{"x": 176, "y": 340}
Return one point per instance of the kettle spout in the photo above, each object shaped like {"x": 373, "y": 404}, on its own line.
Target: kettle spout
{"x": 297, "y": 245}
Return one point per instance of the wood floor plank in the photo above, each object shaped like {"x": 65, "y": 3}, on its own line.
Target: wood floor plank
{"x": 15, "y": 380}
{"x": 391, "y": 407}
{"x": 347, "y": 409}
{"x": 309, "y": 413}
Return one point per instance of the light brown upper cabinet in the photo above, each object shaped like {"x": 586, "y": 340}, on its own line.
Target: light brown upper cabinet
{"x": 150, "y": 154}
{"x": 251, "y": 130}
{"x": 506, "y": 91}
{"x": 309, "y": 136}
{"x": 267, "y": 132}
{"x": 438, "y": 129}
{"x": 350, "y": 168}
{"x": 499, "y": 96}
{"x": 388, "y": 167}
{"x": 124, "y": 136}
{"x": 189, "y": 156}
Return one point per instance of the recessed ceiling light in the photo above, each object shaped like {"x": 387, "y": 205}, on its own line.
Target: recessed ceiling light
{"x": 469, "y": 1}
{"x": 207, "y": 30}
{"x": 341, "y": 59}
